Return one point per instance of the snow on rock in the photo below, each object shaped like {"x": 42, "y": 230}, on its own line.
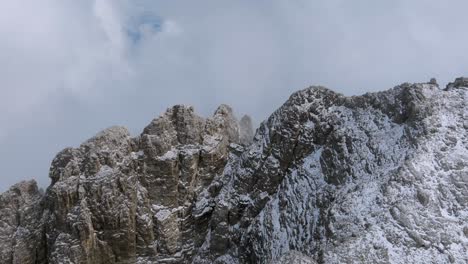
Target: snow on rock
{"x": 377, "y": 178}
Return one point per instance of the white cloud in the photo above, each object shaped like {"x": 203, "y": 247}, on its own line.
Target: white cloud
{"x": 52, "y": 47}
{"x": 122, "y": 60}
{"x": 110, "y": 23}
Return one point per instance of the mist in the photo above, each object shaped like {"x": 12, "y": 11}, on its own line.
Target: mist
{"x": 69, "y": 69}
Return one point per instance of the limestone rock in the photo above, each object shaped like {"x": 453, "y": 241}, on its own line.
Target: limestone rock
{"x": 246, "y": 131}
{"x": 21, "y": 231}
{"x": 377, "y": 178}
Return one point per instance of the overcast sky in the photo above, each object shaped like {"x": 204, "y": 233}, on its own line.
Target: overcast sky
{"x": 71, "y": 68}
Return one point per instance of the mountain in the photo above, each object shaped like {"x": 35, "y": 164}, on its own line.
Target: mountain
{"x": 377, "y": 178}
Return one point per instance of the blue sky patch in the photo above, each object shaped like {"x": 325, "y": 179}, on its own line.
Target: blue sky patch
{"x": 147, "y": 21}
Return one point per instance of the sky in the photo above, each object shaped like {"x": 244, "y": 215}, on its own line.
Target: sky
{"x": 69, "y": 69}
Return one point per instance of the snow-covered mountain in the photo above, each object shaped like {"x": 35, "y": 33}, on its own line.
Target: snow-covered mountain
{"x": 377, "y": 178}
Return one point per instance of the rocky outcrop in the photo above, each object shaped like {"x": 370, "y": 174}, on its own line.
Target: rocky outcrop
{"x": 21, "y": 228}
{"x": 246, "y": 132}
{"x": 118, "y": 199}
{"x": 377, "y": 178}
{"x": 459, "y": 82}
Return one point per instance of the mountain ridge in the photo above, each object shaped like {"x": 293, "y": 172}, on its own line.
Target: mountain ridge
{"x": 380, "y": 177}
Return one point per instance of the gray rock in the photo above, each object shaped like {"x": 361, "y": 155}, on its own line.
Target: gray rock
{"x": 21, "y": 228}
{"x": 246, "y": 131}
{"x": 294, "y": 257}
{"x": 459, "y": 82}
{"x": 337, "y": 178}
{"x": 377, "y": 178}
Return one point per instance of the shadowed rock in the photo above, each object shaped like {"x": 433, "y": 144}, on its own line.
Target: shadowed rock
{"x": 459, "y": 82}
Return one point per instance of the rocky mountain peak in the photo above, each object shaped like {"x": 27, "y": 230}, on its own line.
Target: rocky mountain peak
{"x": 110, "y": 138}
{"x": 26, "y": 191}
{"x": 21, "y": 234}
{"x": 377, "y": 178}
{"x": 459, "y": 82}
{"x": 224, "y": 110}
{"x": 246, "y": 132}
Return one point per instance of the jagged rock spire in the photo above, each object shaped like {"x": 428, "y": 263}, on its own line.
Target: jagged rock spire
{"x": 246, "y": 130}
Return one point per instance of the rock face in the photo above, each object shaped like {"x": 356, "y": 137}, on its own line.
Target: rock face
{"x": 21, "y": 229}
{"x": 118, "y": 199}
{"x": 246, "y": 132}
{"x": 377, "y": 178}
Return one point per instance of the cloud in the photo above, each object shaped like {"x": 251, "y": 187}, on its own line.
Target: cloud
{"x": 54, "y": 47}
{"x": 69, "y": 68}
